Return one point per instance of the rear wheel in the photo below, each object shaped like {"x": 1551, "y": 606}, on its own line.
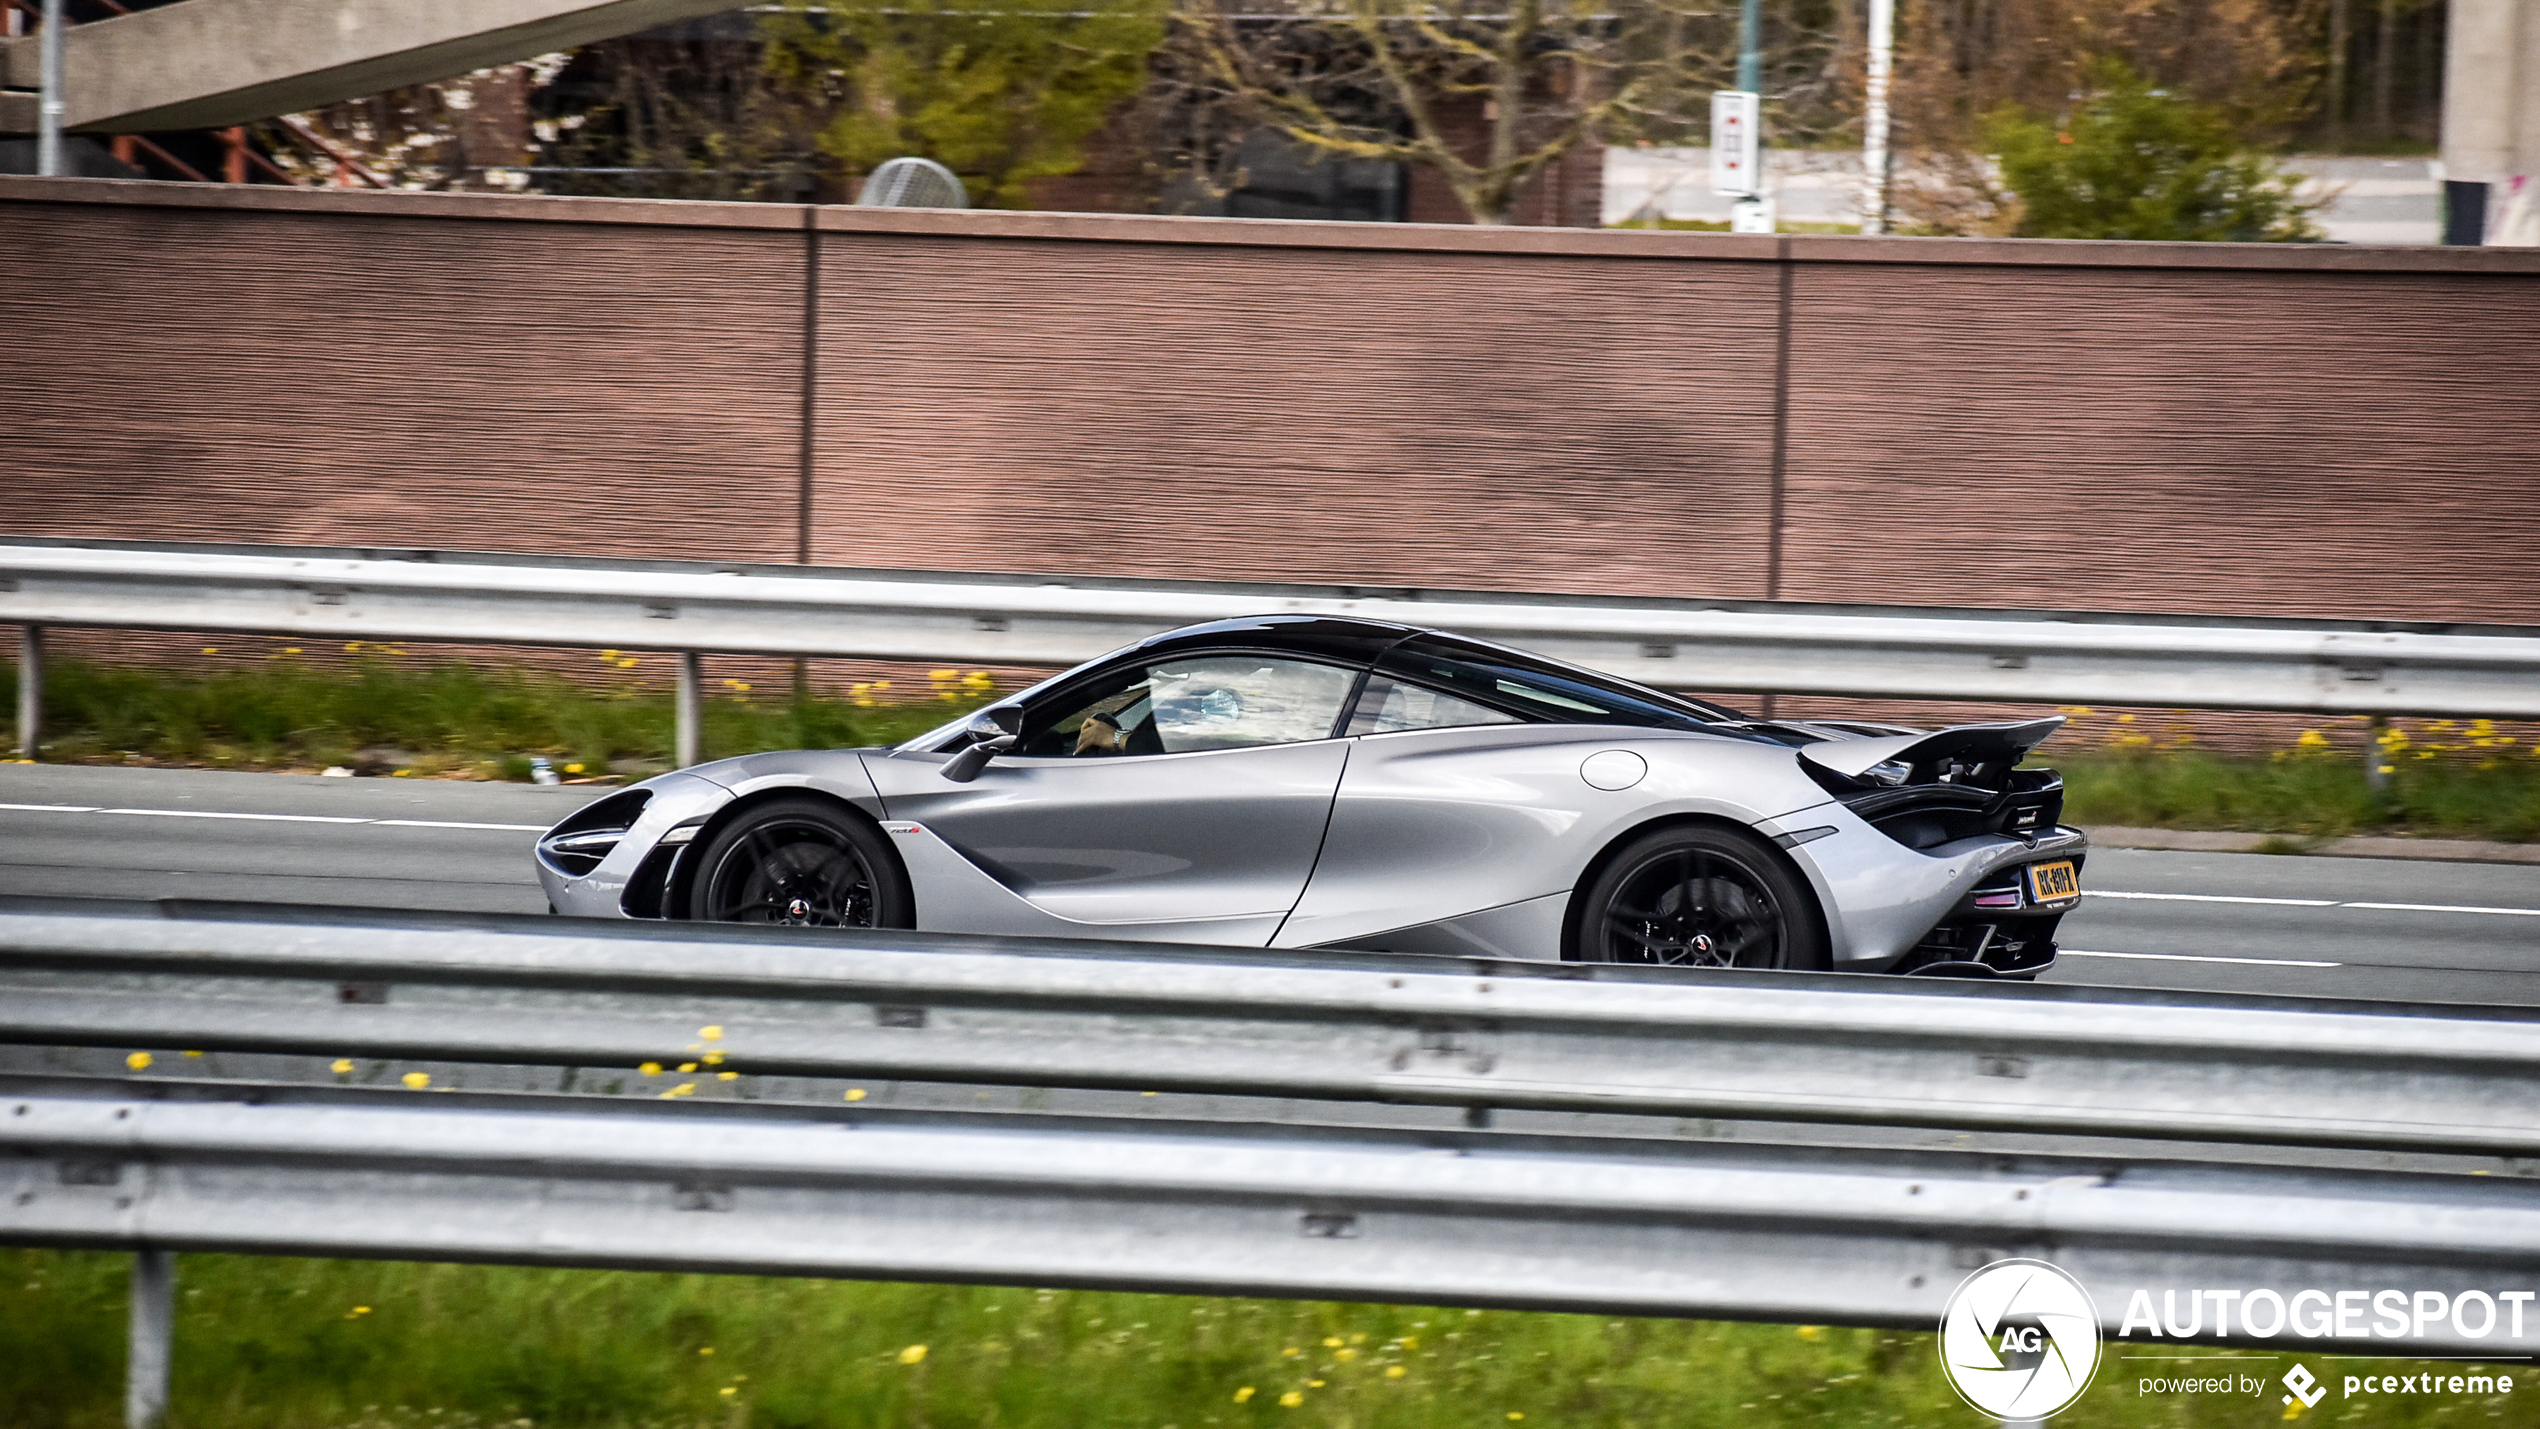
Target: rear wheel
{"x": 1699, "y": 896}
{"x": 800, "y": 862}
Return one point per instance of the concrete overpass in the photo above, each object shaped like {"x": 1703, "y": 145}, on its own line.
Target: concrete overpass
{"x": 205, "y": 64}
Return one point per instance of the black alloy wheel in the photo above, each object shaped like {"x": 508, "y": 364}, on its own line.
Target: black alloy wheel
{"x": 1699, "y": 896}
{"x": 801, "y": 863}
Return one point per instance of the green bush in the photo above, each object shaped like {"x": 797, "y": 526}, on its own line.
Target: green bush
{"x": 2130, "y": 161}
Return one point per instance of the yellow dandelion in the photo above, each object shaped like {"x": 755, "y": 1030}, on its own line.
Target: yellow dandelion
{"x": 1409, "y": 1342}
{"x": 727, "y": 1076}
{"x": 712, "y": 1032}
{"x": 2125, "y": 719}
{"x": 1331, "y": 1342}
{"x": 682, "y": 1090}
{"x": 417, "y": 1080}
{"x": 1314, "y": 1384}
{"x": 573, "y": 769}
{"x": 943, "y": 676}
{"x": 342, "y": 1066}
{"x": 1344, "y": 1354}
{"x": 1291, "y": 1352}
{"x": 290, "y": 649}
{"x": 137, "y": 1061}
{"x": 687, "y": 1066}
{"x": 650, "y": 1069}
{"x": 608, "y": 655}
{"x": 1395, "y": 1371}
{"x": 357, "y": 1312}
{"x": 193, "y": 1054}
{"x": 912, "y": 1354}
{"x": 1292, "y": 1399}
{"x": 729, "y": 1389}
{"x": 855, "y": 1094}
{"x": 1812, "y": 1332}
{"x": 1244, "y": 1395}
{"x": 2312, "y": 739}
{"x": 1516, "y": 1414}
{"x": 211, "y": 649}
{"x": 714, "y": 1059}
{"x": 352, "y": 647}
{"x": 705, "y": 1349}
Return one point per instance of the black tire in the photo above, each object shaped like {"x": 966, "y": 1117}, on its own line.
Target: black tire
{"x": 802, "y": 862}
{"x": 1699, "y": 896}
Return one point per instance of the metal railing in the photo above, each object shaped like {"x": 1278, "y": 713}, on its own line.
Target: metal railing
{"x": 1721, "y": 646}
{"x": 516, "y": 1089}
{"x": 1349, "y": 1027}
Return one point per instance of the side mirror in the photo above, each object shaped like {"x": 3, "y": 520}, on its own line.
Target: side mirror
{"x": 965, "y": 765}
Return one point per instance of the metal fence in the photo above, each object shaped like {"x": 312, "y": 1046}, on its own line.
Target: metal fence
{"x": 562, "y": 1147}
{"x": 695, "y": 609}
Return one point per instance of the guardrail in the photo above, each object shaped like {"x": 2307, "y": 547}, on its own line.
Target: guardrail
{"x": 695, "y": 608}
{"x": 1826, "y": 1048}
{"x": 735, "y": 1150}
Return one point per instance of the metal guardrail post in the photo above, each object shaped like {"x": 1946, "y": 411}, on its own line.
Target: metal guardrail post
{"x": 30, "y": 690}
{"x": 145, "y": 1396}
{"x": 689, "y": 746}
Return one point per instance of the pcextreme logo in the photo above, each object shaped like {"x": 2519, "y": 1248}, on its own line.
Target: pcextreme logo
{"x": 2020, "y": 1340}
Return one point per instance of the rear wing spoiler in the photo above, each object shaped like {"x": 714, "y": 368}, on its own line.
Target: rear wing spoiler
{"x": 1963, "y": 744}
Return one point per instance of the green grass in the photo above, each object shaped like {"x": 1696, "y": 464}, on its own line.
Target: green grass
{"x": 289, "y": 713}
{"x": 288, "y": 1344}
{"x": 2315, "y": 794}
{"x": 2448, "y": 781}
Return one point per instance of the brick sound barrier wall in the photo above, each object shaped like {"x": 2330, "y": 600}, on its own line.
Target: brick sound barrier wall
{"x": 2145, "y": 427}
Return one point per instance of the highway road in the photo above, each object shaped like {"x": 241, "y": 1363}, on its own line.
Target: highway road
{"x": 2391, "y": 929}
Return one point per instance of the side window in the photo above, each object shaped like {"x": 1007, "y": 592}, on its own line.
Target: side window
{"x": 1388, "y": 704}
{"x": 1200, "y": 702}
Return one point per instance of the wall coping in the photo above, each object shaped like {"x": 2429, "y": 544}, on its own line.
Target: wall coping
{"x": 1274, "y": 233}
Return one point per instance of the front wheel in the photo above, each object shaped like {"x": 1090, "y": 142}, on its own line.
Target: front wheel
{"x": 1699, "y": 896}
{"x": 804, "y": 863}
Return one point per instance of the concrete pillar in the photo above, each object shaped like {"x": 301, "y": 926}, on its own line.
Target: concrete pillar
{"x": 145, "y": 1396}
{"x": 2491, "y": 121}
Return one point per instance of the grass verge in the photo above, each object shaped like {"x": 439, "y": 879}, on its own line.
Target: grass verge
{"x": 379, "y": 715}
{"x": 317, "y": 1344}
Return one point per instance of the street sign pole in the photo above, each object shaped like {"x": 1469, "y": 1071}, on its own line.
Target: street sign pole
{"x": 1737, "y": 130}
{"x": 1874, "y": 160}
{"x": 48, "y": 107}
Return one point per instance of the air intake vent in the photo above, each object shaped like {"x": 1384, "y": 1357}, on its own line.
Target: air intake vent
{"x": 576, "y": 846}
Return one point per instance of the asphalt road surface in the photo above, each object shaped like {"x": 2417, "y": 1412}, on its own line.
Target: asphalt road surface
{"x": 2309, "y": 926}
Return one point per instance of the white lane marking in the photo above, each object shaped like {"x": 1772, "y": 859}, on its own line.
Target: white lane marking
{"x": 2445, "y": 908}
{"x": 279, "y": 818}
{"x": 2200, "y": 958}
{"x": 270, "y": 818}
{"x": 2312, "y": 903}
{"x": 2211, "y": 898}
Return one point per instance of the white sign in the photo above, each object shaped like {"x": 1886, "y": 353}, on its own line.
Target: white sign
{"x": 1737, "y": 143}
{"x": 1751, "y": 215}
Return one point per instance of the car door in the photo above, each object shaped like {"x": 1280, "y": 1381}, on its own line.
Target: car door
{"x": 1192, "y": 789}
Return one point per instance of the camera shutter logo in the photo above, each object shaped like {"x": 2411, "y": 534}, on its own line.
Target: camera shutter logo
{"x": 2020, "y": 1340}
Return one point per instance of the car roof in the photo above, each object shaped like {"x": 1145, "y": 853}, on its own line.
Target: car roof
{"x": 1339, "y": 637}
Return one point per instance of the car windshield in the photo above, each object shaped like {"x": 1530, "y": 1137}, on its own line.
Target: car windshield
{"x": 1543, "y": 689}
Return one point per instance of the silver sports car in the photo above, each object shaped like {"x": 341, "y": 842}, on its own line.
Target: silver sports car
{"x": 1309, "y": 782}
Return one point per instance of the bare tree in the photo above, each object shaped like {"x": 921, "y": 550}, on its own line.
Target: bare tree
{"x": 1486, "y": 93}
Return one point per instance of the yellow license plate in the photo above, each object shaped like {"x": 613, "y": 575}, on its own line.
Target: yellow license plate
{"x": 2050, "y": 882}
